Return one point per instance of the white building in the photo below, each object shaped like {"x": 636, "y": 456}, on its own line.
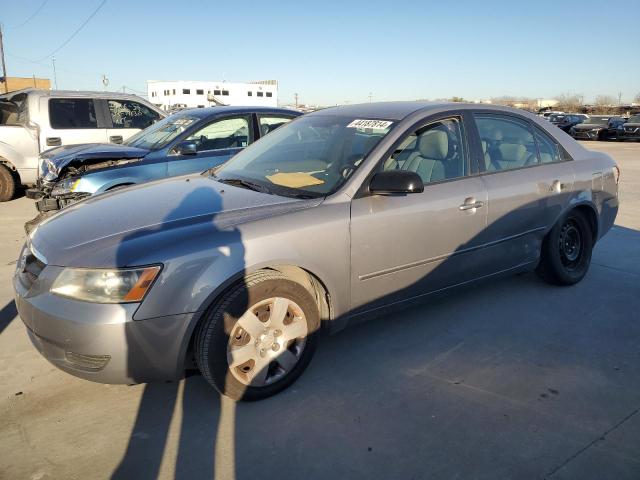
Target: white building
{"x": 194, "y": 94}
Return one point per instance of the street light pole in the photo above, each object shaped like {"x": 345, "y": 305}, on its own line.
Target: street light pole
{"x": 4, "y": 67}
{"x": 55, "y": 77}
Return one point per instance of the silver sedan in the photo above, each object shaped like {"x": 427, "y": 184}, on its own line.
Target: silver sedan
{"x": 335, "y": 217}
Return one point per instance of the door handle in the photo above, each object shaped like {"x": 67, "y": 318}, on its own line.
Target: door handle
{"x": 115, "y": 139}
{"x": 558, "y": 186}
{"x": 471, "y": 204}
{"x": 54, "y": 141}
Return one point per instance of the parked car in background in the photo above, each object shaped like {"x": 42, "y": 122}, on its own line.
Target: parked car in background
{"x": 631, "y": 128}
{"x": 598, "y": 127}
{"x": 565, "y": 121}
{"x": 33, "y": 121}
{"x": 332, "y": 218}
{"x": 189, "y": 141}
{"x": 546, "y": 114}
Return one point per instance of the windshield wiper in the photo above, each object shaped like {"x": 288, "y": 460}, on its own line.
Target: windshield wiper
{"x": 238, "y": 182}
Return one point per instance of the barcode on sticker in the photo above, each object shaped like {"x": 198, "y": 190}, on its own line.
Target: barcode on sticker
{"x": 360, "y": 123}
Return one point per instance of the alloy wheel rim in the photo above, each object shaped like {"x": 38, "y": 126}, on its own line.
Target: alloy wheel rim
{"x": 570, "y": 244}
{"x": 267, "y": 342}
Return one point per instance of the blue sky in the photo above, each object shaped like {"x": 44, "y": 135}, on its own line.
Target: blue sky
{"x": 335, "y": 51}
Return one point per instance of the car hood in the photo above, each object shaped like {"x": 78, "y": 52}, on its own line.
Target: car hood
{"x": 125, "y": 227}
{"x": 60, "y": 157}
{"x": 588, "y": 126}
{"x": 632, "y": 125}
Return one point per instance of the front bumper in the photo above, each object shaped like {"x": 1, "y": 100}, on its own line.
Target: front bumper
{"x": 585, "y": 134}
{"x": 50, "y": 203}
{"x": 101, "y": 342}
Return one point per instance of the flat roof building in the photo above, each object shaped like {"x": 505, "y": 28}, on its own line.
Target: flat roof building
{"x": 197, "y": 94}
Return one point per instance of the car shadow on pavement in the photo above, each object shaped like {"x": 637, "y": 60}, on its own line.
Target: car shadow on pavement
{"x": 204, "y": 418}
{"x": 7, "y": 314}
{"x": 149, "y": 437}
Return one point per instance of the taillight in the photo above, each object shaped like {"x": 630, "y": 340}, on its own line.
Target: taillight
{"x": 616, "y": 174}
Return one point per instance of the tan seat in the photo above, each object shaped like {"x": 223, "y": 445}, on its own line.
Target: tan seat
{"x": 429, "y": 160}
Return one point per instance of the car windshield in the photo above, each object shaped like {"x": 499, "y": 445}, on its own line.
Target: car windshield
{"x": 555, "y": 117}
{"x": 634, "y": 119}
{"x": 310, "y": 157}
{"x": 597, "y": 120}
{"x": 160, "y": 134}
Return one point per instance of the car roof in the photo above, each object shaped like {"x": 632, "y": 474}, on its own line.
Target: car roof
{"x": 71, "y": 93}
{"x": 229, "y": 109}
{"x": 401, "y": 110}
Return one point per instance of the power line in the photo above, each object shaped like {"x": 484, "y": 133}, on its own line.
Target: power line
{"x": 74, "y": 33}
{"x": 31, "y": 17}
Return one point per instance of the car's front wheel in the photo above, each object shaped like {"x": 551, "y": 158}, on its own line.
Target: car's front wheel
{"x": 566, "y": 250}
{"x": 259, "y": 337}
{"x": 8, "y": 184}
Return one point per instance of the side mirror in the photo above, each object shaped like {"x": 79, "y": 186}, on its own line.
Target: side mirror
{"x": 187, "y": 148}
{"x": 393, "y": 182}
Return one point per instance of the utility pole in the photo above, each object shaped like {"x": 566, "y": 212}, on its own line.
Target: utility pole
{"x": 4, "y": 67}
{"x": 295, "y": 95}
{"x": 370, "y": 96}
{"x": 55, "y": 77}
{"x": 619, "y": 98}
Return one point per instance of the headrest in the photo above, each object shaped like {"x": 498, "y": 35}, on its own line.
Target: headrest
{"x": 513, "y": 152}
{"x": 434, "y": 144}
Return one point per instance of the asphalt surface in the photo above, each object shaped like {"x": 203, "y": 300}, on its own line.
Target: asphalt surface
{"x": 513, "y": 379}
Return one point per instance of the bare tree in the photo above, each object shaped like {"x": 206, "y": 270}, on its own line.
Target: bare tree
{"x": 636, "y": 99}
{"x": 605, "y": 104}
{"x": 569, "y": 103}
{"x": 525, "y": 103}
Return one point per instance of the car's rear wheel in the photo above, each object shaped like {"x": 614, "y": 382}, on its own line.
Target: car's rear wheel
{"x": 259, "y": 337}
{"x": 566, "y": 250}
{"x": 8, "y": 184}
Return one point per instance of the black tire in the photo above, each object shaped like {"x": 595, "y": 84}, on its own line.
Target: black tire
{"x": 566, "y": 250}
{"x": 8, "y": 184}
{"x": 214, "y": 330}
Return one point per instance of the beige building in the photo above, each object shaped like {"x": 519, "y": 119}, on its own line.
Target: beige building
{"x": 11, "y": 84}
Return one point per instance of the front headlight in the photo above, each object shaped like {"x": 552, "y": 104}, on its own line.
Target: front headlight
{"x": 48, "y": 170}
{"x": 105, "y": 285}
{"x": 68, "y": 185}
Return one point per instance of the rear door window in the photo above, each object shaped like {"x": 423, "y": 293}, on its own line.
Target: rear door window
{"x": 72, "y": 113}
{"x": 548, "y": 150}
{"x": 507, "y": 142}
{"x": 269, "y": 123}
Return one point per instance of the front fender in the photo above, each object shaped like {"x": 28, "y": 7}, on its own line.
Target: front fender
{"x": 14, "y": 158}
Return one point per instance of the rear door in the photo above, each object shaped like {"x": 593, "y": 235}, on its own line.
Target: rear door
{"x": 216, "y": 143}
{"x": 126, "y": 118}
{"x": 403, "y": 246}
{"x": 528, "y": 182}
{"x": 71, "y": 121}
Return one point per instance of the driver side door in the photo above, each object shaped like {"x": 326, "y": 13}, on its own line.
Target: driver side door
{"x": 216, "y": 143}
{"x": 405, "y": 246}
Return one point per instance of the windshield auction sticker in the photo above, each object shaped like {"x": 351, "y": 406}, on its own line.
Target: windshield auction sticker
{"x": 359, "y": 123}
